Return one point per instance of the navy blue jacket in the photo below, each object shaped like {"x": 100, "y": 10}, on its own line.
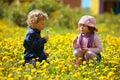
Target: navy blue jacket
{"x": 34, "y": 45}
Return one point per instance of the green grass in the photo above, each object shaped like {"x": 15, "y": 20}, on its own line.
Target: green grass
{"x": 60, "y": 30}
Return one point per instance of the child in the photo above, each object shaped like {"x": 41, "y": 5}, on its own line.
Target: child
{"x": 87, "y": 44}
{"x": 33, "y": 42}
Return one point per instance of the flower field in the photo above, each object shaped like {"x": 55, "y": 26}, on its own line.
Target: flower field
{"x": 61, "y": 57}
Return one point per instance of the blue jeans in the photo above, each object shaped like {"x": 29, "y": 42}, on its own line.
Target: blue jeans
{"x": 98, "y": 57}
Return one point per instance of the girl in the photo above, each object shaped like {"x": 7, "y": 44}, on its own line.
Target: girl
{"x": 87, "y": 44}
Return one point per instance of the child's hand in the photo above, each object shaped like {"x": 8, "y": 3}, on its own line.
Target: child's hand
{"x": 75, "y": 39}
{"x": 46, "y": 38}
{"x": 74, "y": 42}
{"x": 84, "y": 50}
{"x": 47, "y": 55}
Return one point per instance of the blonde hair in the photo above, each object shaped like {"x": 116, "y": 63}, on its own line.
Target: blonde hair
{"x": 35, "y": 16}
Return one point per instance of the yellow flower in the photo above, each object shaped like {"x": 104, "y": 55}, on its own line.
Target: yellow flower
{"x": 77, "y": 74}
{"x": 33, "y": 70}
{"x": 95, "y": 58}
{"x": 84, "y": 62}
{"x": 4, "y": 58}
{"x": 84, "y": 73}
{"x": 57, "y": 76}
{"x": 97, "y": 67}
{"x": 30, "y": 78}
{"x": 45, "y": 65}
{"x": 90, "y": 64}
{"x": 111, "y": 73}
{"x": 1, "y": 69}
{"x": 37, "y": 64}
{"x": 96, "y": 70}
{"x": 83, "y": 67}
{"x": 1, "y": 64}
{"x": 86, "y": 79}
{"x": 1, "y": 74}
{"x": 113, "y": 69}
{"x": 103, "y": 78}
{"x": 21, "y": 62}
{"x": 106, "y": 69}
{"x": 10, "y": 75}
{"x": 90, "y": 61}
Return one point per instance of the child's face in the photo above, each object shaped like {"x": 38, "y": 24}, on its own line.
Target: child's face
{"x": 40, "y": 25}
{"x": 84, "y": 28}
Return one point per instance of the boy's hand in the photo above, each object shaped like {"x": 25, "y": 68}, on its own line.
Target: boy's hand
{"x": 47, "y": 55}
{"x": 46, "y": 38}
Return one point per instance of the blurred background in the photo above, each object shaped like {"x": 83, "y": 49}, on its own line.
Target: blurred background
{"x": 62, "y": 13}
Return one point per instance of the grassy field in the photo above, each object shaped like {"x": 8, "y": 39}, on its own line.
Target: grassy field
{"x": 61, "y": 58}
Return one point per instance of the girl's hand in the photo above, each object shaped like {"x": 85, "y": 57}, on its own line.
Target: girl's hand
{"x": 74, "y": 42}
{"x": 75, "y": 39}
{"x": 84, "y": 50}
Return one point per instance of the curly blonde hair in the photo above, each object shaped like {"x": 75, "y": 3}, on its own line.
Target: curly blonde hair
{"x": 35, "y": 16}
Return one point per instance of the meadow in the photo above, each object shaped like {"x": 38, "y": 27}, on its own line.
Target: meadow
{"x": 61, "y": 57}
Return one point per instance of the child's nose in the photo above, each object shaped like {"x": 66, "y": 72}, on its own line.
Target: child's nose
{"x": 81, "y": 27}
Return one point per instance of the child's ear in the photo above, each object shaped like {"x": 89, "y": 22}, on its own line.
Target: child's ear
{"x": 34, "y": 24}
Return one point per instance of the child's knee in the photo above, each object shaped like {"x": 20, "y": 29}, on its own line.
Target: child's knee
{"x": 77, "y": 53}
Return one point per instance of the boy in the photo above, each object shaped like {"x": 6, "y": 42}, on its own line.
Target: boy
{"x": 33, "y": 42}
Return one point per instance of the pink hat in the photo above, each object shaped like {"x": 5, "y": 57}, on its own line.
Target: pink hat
{"x": 88, "y": 20}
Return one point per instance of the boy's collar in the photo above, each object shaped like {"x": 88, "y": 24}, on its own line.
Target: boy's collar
{"x": 34, "y": 29}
